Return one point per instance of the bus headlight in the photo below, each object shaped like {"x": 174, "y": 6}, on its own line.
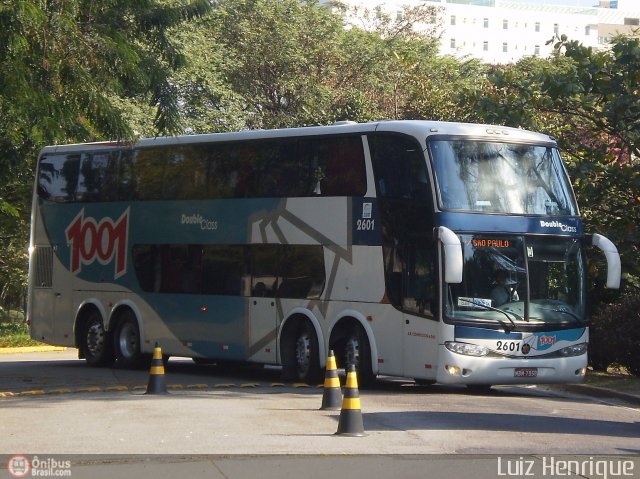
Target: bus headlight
{"x": 466, "y": 348}
{"x": 574, "y": 350}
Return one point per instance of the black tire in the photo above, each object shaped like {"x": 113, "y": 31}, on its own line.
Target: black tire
{"x": 126, "y": 343}
{"x": 301, "y": 357}
{"x": 357, "y": 352}
{"x": 95, "y": 342}
{"x": 479, "y": 388}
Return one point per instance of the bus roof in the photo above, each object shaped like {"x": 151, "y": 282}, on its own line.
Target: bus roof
{"x": 419, "y": 128}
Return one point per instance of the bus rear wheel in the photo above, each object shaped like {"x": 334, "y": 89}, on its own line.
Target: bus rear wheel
{"x": 95, "y": 342}
{"x": 127, "y": 343}
{"x": 357, "y": 352}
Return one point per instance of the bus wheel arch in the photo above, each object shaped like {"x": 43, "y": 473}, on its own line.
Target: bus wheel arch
{"x": 127, "y": 338}
{"x": 352, "y": 342}
{"x": 300, "y": 349}
{"x": 93, "y": 340}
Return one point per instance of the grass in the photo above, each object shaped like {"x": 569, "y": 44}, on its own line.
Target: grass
{"x": 616, "y": 377}
{"x": 15, "y": 332}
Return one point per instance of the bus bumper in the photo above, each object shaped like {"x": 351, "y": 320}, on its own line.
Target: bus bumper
{"x": 460, "y": 369}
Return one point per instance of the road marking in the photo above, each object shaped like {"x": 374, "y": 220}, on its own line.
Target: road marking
{"x": 138, "y": 388}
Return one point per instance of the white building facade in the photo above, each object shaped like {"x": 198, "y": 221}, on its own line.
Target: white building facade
{"x": 503, "y": 31}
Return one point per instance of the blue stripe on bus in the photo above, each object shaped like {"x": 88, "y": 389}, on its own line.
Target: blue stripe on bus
{"x": 504, "y": 224}
{"x": 466, "y": 332}
{"x": 211, "y": 326}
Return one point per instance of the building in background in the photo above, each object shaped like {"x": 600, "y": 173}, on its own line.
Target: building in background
{"x": 503, "y": 31}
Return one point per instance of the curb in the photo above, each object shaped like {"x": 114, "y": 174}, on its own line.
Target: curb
{"x": 31, "y": 349}
{"x": 602, "y": 393}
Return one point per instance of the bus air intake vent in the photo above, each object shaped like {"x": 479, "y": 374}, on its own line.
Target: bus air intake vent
{"x": 44, "y": 267}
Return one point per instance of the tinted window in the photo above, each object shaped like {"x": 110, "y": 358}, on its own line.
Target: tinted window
{"x": 98, "y": 179}
{"x": 58, "y": 177}
{"x": 400, "y": 168}
{"x": 289, "y": 167}
{"x": 233, "y": 270}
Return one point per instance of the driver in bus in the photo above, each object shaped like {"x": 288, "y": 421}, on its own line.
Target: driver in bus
{"x": 503, "y": 292}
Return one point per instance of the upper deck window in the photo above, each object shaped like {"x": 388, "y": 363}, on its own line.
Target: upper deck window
{"x": 489, "y": 177}
{"x": 284, "y": 167}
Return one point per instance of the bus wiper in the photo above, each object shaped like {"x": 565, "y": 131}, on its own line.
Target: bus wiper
{"x": 491, "y": 308}
{"x": 575, "y": 317}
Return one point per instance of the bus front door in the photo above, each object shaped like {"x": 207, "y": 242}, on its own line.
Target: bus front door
{"x": 420, "y": 347}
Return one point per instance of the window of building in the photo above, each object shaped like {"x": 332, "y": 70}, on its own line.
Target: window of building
{"x": 536, "y": 50}
{"x": 634, "y": 22}
{"x": 537, "y": 26}
{"x": 485, "y": 46}
{"x": 452, "y": 43}
{"x": 587, "y": 30}
{"x": 505, "y": 24}
{"x": 556, "y": 28}
{"x": 486, "y": 23}
{"x": 505, "y": 47}
{"x": 453, "y": 19}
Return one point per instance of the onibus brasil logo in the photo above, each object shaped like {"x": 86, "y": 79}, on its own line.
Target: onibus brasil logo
{"x": 103, "y": 241}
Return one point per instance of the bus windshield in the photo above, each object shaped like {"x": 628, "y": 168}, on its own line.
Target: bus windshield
{"x": 490, "y": 177}
{"x": 515, "y": 280}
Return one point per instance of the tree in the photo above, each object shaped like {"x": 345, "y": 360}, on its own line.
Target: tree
{"x": 64, "y": 64}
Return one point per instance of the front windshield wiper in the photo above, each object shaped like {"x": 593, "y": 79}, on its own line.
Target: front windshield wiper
{"x": 491, "y": 308}
{"x": 575, "y": 317}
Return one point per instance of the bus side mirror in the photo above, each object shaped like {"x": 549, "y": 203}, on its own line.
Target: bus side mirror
{"x": 614, "y": 270}
{"x": 452, "y": 255}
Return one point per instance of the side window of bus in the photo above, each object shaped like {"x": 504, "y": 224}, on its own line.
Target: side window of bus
{"x": 301, "y": 271}
{"x": 264, "y": 270}
{"x": 98, "y": 177}
{"x": 400, "y": 168}
{"x": 58, "y": 177}
{"x": 277, "y": 169}
{"x": 225, "y": 270}
{"x": 185, "y": 174}
{"x": 333, "y": 166}
{"x": 149, "y": 166}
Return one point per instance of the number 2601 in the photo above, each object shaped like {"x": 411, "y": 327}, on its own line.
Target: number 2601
{"x": 508, "y": 346}
{"x": 365, "y": 225}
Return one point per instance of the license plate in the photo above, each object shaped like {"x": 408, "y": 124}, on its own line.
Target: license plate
{"x": 525, "y": 373}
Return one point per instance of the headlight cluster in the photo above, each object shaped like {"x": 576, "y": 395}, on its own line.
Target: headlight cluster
{"x": 466, "y": 348}
{"x": 574, "y": 350}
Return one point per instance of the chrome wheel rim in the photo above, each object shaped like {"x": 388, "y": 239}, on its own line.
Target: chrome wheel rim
{"x": 303, "y": 354}
{"x": 128, "y": 340}
{"x": 95, "y": 339}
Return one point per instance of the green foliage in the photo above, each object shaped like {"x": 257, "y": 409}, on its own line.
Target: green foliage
{"x": 615, "y": 335}
{"x": 70, "y": 71}
{"x": 14, "y": 331}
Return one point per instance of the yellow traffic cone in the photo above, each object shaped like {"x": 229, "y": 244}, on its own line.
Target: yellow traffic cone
{"x": 350, "y": 423}
{"x": 156, "y": 383}
{"x": 332, "y": 394}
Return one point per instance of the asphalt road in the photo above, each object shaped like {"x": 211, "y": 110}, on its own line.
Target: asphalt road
{"x": 237, "y": 422}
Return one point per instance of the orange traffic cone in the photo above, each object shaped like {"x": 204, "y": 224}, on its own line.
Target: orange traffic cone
{"x": 156, "y": 383}
{"x": 350, "y": 423}
{"x": 332, "y": 394}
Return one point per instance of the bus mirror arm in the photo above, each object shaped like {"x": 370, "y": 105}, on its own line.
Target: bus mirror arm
{"x": 614, "y": 269}
{"x": 452, "y": 255}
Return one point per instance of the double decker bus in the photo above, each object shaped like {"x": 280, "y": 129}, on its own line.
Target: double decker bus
{"x": 444, "y": 252}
